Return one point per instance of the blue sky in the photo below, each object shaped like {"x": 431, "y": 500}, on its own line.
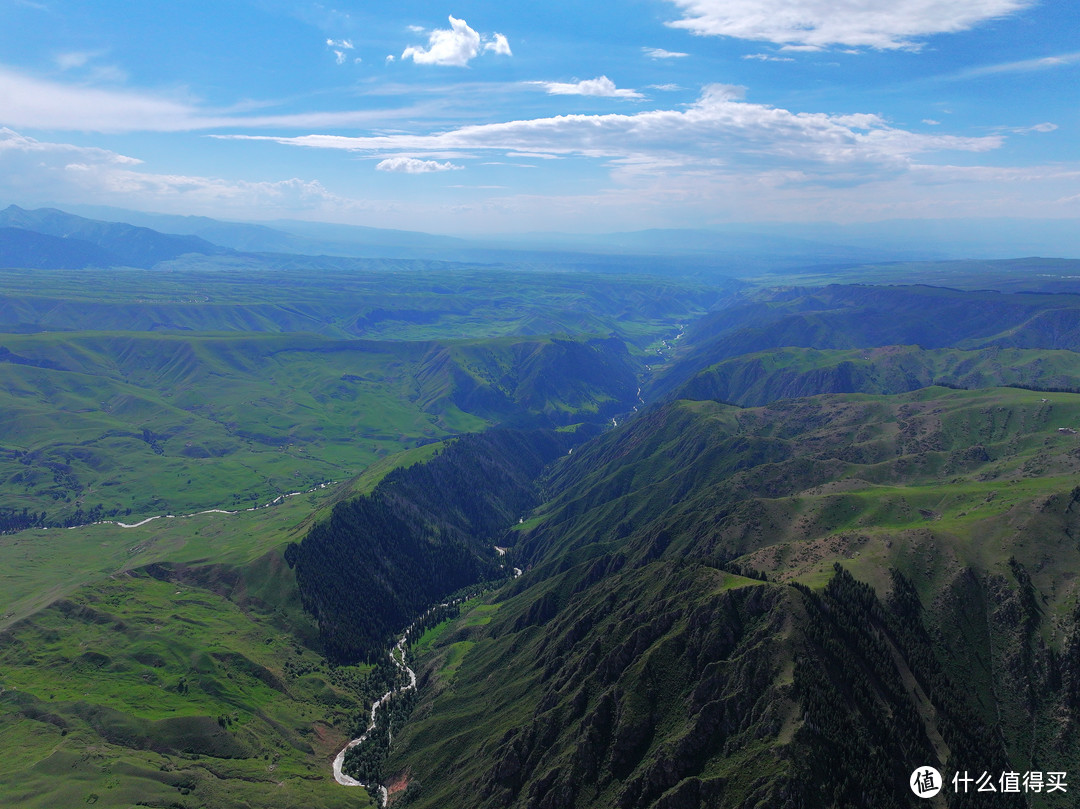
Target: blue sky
{"x": 480, "y": 117}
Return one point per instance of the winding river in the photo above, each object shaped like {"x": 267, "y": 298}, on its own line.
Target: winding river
{"x": 339, "y": 759}
{"x": 279, "y": 499}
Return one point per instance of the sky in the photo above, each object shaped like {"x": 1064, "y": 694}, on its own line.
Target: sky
{"x": 479, "y": 117}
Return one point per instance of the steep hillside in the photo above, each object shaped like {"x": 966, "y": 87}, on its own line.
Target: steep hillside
{"x": 560, "y": 378}
{"x": 788, "y": 373}
{"x": 424, "y": 532}
{"x": 633, "y": 666}
{"x": 723, "y": 480}
{"x": 856, "y": 316}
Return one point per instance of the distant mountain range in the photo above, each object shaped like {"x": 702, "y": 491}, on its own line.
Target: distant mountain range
{"x": 80, "y": 242}
{"x": 127, "y": 237}
{"x": 118, "y": 237}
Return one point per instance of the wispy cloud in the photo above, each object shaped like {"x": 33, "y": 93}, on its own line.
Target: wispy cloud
{"x": 534, "y": 155}
{"x": 718, "y": 133}
{"x": 83, "y": 62}
{"x": 339, "y": 46}
{"x": 1046, "y": 126}
{"x": 600, "y": 86}
{"x": 60, "y": 171}
{"x": 31, "y": 103}
{"x": 412, "y": 165}
{"x": 660, "y": 53}
{"x": 75, "y": 59}
{"x": 12, "y": 142}
{"x": 40, "y": 104}
{"x": 456, "y": 46}
{"x": 814, "y": 24}
{"x": 767, "y": 57}
{"x": 1024, "y": 66}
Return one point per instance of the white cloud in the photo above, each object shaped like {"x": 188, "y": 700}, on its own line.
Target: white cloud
{"x": 667, "y": 88}
{"x": 499, "y": 45}
{"x": 600, "y": 86}
{"x": 719, "y": 134}
{"x": 456, "y": 46}
{"x": 815, "y": 24}
{"x": 534, "y": 155}
{"x": 766, "y": 57}
{"x": 339, "y": 46}
{"x": 33, "y": 169}
{"x": 660, "y": 53}
{"x": 1043, "y": 127}
{"x": 412, "y": 165}
{"x": 1025, "y": 66}
{"x": 75, "y": 59}
{"x": 30, "y": 103}
{"x": 12, "y": 142}
{"x": 931, "y": 122}
{"x": 82, "y": 61}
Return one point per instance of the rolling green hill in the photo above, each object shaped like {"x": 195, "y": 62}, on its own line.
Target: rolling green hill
{"x": 802, "y": 571}
{"x": 132, "y": 425}
{"x": 168, "y": 686}
{"x": 856, "y": 316}
{"x": 789, "y": 373}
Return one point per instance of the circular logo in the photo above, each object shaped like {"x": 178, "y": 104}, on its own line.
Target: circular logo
{"x": 925, "y": 782}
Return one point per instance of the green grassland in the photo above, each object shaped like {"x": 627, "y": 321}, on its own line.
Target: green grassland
{"x": 400, "y": 301}
{"x": 138, "y": 392}
{"x": 171, "y": 664}
{"x": 94, "y": 648}
{"x": 42, "y": 565}
{"x": 166, "y": 693}
{"x": 139, "y": 424}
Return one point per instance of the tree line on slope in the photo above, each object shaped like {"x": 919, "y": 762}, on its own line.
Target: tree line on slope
{"x": 425, "y": 532}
